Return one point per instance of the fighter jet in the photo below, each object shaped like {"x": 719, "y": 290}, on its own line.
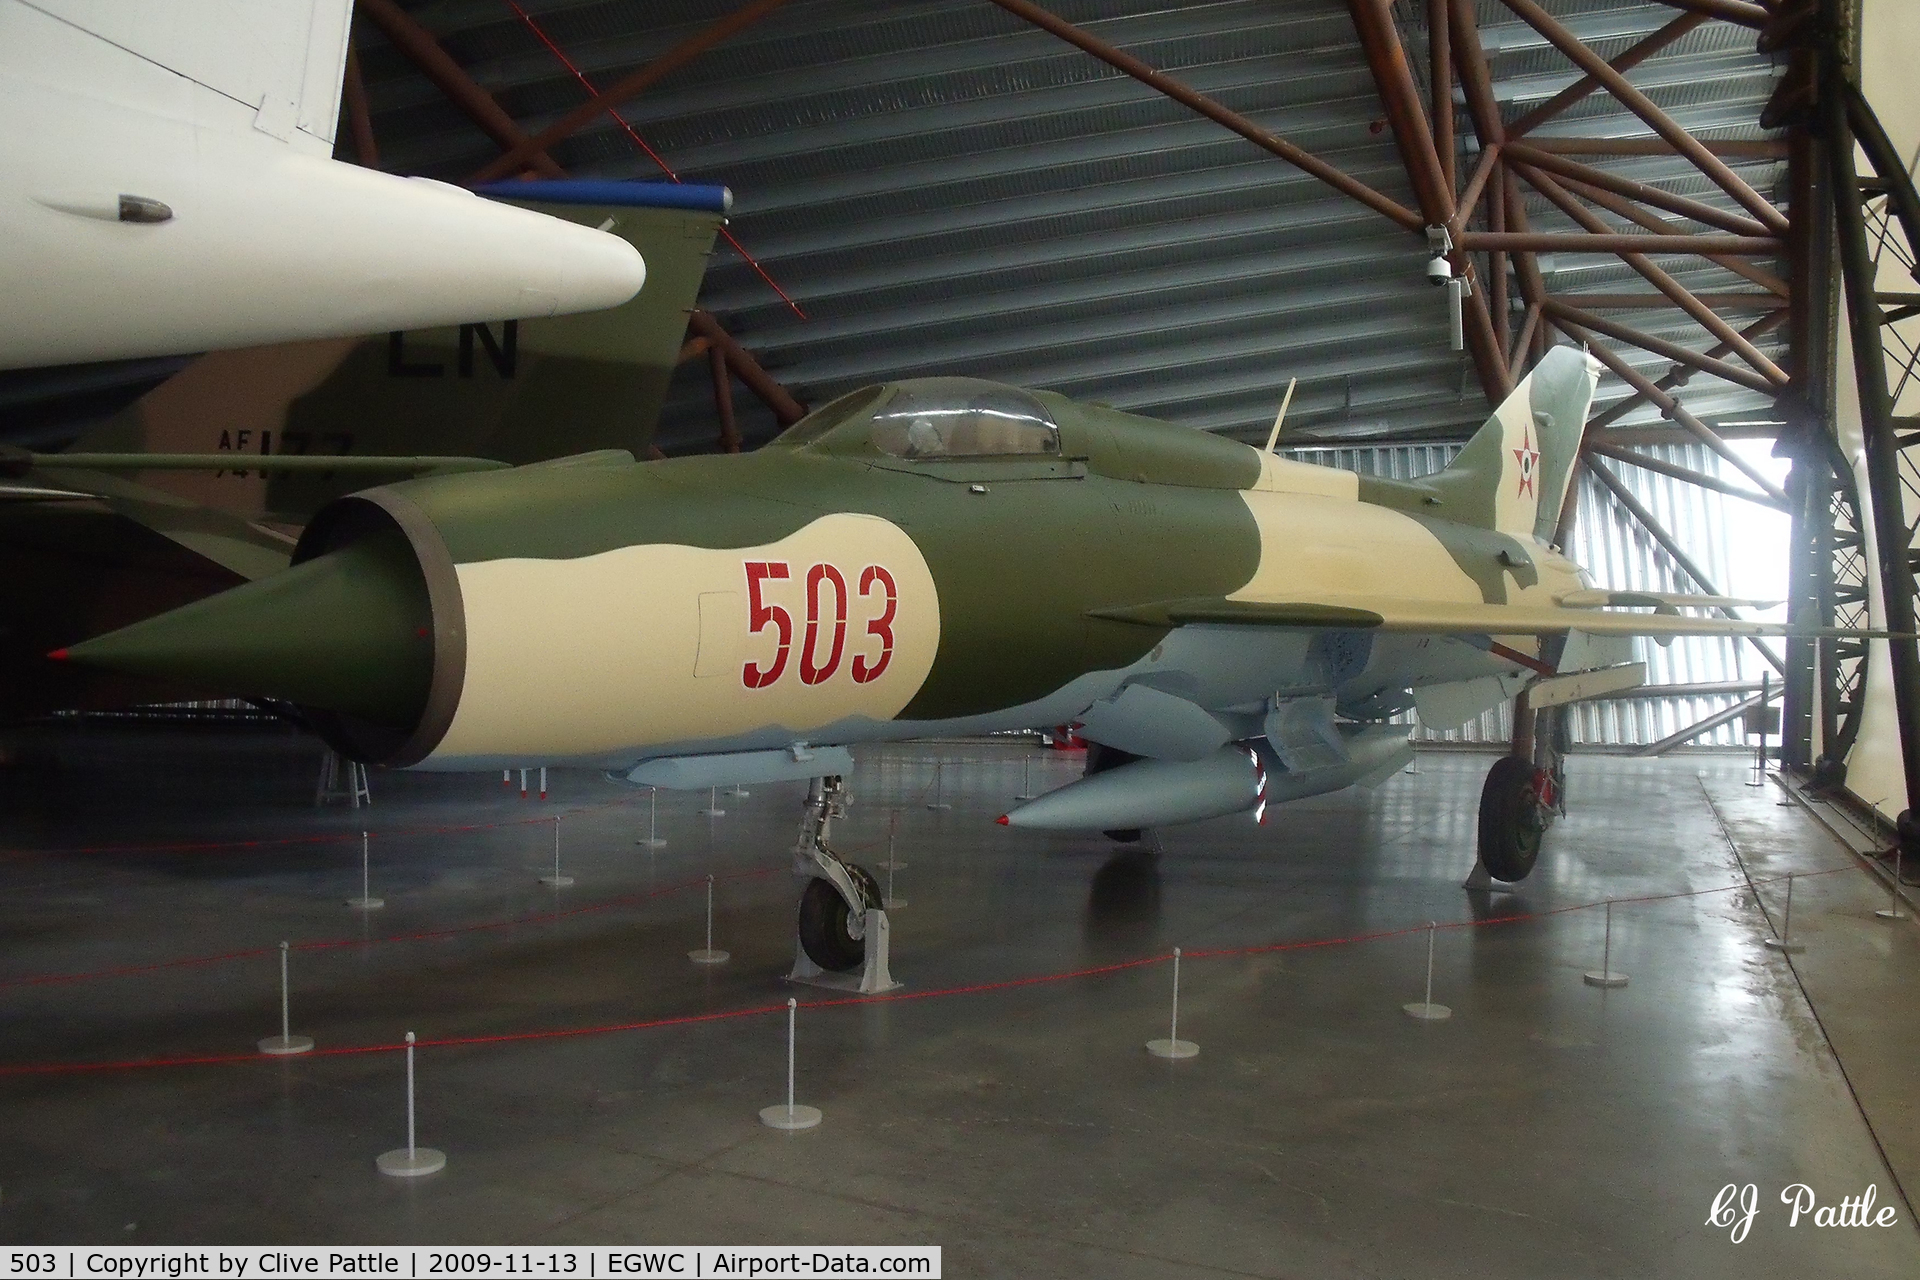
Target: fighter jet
{"x": 933, "y": 557}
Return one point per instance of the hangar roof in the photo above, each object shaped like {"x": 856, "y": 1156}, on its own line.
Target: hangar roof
{"x": 943, "y": 189}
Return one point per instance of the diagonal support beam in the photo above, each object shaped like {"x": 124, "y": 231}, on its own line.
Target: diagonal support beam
{"x": 1669, "y": 407}
{"x": 1743, "y": 12}
{"x": 1678, "y": 472}
{"x": 786, "y": 410}
{"x": 1393, "y": 79}
{"x": 1562, "y": 166}
{"x": 1657, "y": 277}
{"x": 1558, "y": 309}
{"x": 1686, "y": 563}
{"x": 628, "y": 88}
{"x": 1440, "y": 79}
{"x": 1618, "y": 242}
{"x": 419, "y": 47}
{"x": 1622, "y": 64}
{"x": 1678, "y": 375}
{"x": 1656, "y": 119}
{"x": 1180, "y": 93}
{"x": 1659, "y": 226}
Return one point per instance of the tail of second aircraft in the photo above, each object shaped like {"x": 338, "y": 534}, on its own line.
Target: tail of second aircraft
{"x": 519, "y": 391}
{"x": 1512, "y": 475}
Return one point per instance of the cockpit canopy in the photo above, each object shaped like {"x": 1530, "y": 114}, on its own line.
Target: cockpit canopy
{"x": 932, "y": 420}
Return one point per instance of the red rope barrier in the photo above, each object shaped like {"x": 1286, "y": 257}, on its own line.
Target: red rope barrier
{"x": 330, "y": 944}
{"x": 978, "y": 988}
{"x": 328, "y": 837}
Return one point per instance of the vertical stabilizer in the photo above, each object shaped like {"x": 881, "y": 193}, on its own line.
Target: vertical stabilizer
{"x": 1512, "y": 476}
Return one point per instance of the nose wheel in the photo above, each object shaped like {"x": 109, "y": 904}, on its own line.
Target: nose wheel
{"x": 832, "y": 933}
{"x": 841, "y": 934}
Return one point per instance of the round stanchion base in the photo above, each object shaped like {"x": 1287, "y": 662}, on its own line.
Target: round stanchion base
{"x": 738, "y": 793}
{"x": 1891, "y": 913}
{"x": 1603, "y": 978}
{"x": 415, "y": 1163}
{"x": 709, "y": 955}
{"x": 893, "y": 904}
{"x": 366, "y": 904}
{"x": 285, "y": 1046}
{"x": 1426, "y": 1012}
{"x": 713, "y": 813}
{"x": 891, "y": 865}
{"x": 557, "y": 882}
{"x": 781, "y": 1116}
{"x": 651, "y": 842}
{"x": 1165, "y": 1048}
{"x": 1784, "y": 945}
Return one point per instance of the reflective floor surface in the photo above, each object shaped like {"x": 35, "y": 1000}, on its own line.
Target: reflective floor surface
{"x": 1003, "y": 1105}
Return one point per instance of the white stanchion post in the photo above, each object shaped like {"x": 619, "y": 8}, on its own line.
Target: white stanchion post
{"x": 1026, "y": 780}
{"x": 543, "y": 782}
{"x": 285, "y": 1043}
{"x": 892, "y": 903}
{"x": 523, "y": 784}
{"x": 1892, "y": 910}
{"x": 939, "y": 800}
{"x": 1604, "y": 976}
{"x": 556, "y": 880}
{"x": 1173, "y": 1046}
{"x": 706, "y": 954}
{"x": 713, "y": 809}
{"x": 1426, "y": 1010}
{"x": 411, "y": 1161}
{"x": 653, "y": 840}
{"x": 790, "y": 1116}
{"x": 1785, "y": 942}
{"x": 366, "y": 901}
{"x": 893, "y": 862}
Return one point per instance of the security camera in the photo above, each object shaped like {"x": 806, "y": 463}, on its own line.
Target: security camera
{"x": 1439, "y": 270}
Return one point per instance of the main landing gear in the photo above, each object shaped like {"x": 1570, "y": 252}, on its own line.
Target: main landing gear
{"x": 1518, "y": 802}
{"x": 842, "y": 936}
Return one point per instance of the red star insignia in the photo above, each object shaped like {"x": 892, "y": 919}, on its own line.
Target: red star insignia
{"x": 1528, "y": 457}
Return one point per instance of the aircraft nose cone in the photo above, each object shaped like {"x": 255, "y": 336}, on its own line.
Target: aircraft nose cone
{"x": 350, "y": 631}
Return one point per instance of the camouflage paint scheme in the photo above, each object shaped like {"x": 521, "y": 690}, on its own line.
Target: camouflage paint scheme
{"x": 837, "y": 587}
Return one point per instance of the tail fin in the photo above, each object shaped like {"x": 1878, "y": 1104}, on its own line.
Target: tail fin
{"x": 1512, "y": 476}
{"x": 520, "y": 391}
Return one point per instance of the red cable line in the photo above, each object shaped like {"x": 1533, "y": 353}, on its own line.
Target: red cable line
{"x": 640, "y": 142}
{"x": 334, "y": 944}
{"x": 978, "y": 988}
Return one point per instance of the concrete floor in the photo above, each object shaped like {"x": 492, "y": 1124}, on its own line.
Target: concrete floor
{"x": 1548, "y": 1128}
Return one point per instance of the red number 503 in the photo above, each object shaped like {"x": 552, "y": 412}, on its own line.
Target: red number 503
{"x": 821, "y": 580}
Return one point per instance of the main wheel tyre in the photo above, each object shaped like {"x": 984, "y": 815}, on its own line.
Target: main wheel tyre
{"x": 1510, "y": 820}
{"x": 824, "y": 924}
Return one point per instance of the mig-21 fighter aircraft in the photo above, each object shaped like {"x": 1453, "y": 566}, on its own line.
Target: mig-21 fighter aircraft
{"x": 943, "y": 556}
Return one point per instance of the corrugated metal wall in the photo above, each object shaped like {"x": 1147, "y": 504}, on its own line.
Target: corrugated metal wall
{"x": 1618, "y": 553}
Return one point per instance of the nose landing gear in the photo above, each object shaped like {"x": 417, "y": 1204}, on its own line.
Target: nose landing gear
{"x": 841, "y": 939}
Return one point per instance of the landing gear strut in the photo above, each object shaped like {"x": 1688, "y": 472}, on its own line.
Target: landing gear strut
{"x": 841, "y": 938}
{"x": 1518, "y": 802}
